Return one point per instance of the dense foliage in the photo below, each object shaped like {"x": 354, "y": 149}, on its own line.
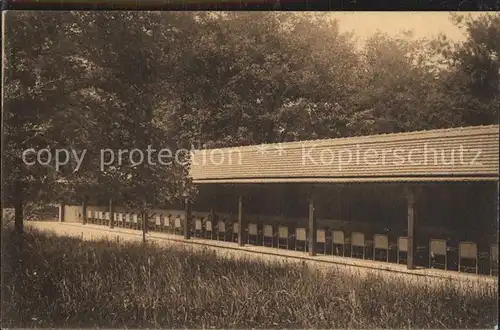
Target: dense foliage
{"x": 96, "y": 80}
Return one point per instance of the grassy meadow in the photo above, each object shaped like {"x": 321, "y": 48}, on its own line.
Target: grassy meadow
{"x": 54, "y": 281}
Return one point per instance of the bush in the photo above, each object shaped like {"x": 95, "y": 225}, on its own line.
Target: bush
{"x": 66, "y": 282}
{"x": 40, "y": 211}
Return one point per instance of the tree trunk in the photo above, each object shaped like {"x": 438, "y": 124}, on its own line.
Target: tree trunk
{"x": 18, "y": 211}
{"x": 84, "y": 210}
{"x": 144, "y": 225}
{"x": 111, "y": 214}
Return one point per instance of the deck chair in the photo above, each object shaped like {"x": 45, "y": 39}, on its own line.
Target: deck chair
{"x": 236, "y": 227}
{"x": 338, "y": 242}
{"x": 221, "y": 230}
{"x": 177, "y": 225}
{"x": 438, "y": 255}
{"x": 167, "y": 223}
{"x": 282, "y": 237}
{"x": 321, "y": 238}
{"x": 358, "y": 243}
{"x": 198, "y": 228}
{"x": 209, "y": 229}
{"x": 301, "y": 236}
{"x": 402, "y": 249}
{"x": 268, "y": 234}
{"x": 135, "y": 221}
{"x": 381, "y": 244}
{"x": 467, "y": 257}
{"x": 128, "y": 220}
{"x": 494, "y": 260}
{"x": 90, "y": 216}
{"x": 158, "y": 222}
{"x": 253, "y": 233}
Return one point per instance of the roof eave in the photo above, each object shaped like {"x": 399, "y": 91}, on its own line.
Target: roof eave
{"x": 348, "y": 180}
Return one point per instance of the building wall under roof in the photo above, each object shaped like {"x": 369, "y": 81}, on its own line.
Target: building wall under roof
{"x": 466, "y": 211}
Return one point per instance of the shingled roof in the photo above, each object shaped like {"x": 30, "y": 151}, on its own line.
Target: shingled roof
{"x": 456, "y": 154}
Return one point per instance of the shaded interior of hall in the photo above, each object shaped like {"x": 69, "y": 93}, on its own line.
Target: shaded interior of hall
{"x": 452, "y": 211}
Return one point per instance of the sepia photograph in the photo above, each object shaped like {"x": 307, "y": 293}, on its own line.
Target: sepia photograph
{"x": 250, "y": 169}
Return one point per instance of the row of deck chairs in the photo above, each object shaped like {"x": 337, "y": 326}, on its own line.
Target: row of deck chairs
{"x": 132, "y": 220}
{"x": 438, "y": 249}
{"x": 468, "y": 256}
{"x": 356, "y": 243}
{"x": 100, "y": 217}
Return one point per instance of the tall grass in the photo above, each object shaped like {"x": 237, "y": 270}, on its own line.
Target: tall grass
{"x": 53, "y": 281}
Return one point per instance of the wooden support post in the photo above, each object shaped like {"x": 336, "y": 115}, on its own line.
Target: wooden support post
{"x": 111, "y": 213}
{"x": 61, "y": 212}
{"x": 213, "y": 214}
{"x": 241, "y": 241}
{"x": 144, "y": 224}
{"x": 213, "y": 210}
{"x": 412, "y": 248}
{"x": 312, "y": 226}
{"x": 84, "y": 210}
{"x": 187, "y": 218}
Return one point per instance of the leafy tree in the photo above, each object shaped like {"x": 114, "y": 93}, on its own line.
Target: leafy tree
{"x": 476, "y": 65}
{"x": 267, "y": 77}
{"x": 62, "y": 93}
{"x": 137, "y": 82}
{"x": 41, "y": 75}
{"x": 402, "y": 86}
{"x": 129, "y": 80}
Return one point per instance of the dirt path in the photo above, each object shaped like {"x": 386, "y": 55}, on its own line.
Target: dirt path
{"x": 230, "y": 250}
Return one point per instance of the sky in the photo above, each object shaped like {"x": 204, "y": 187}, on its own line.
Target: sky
{"x": 423, "y": 24}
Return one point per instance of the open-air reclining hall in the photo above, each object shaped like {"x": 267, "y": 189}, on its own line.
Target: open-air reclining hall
{"x": 424, "y": 199}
